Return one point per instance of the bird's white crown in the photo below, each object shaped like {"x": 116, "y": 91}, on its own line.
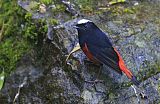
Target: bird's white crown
{"x": 83, "y": 21}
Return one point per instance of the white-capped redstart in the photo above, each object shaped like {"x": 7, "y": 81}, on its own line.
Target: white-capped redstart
{"x": 98, "y": 48}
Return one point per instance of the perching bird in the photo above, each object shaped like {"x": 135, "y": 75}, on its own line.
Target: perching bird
{"x": 98, "y": 48}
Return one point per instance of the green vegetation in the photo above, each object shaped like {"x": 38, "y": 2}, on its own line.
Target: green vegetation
{"x": 46, "y": 1}
{"x": 12, "y": 43}
{"x": 86, "y": 6}
{"x": 58, "y": 8}
{"x": 2, "y": 76}
{"x": 18, "y": 34}
{"x": 53, "y": 21}
{"x": 150, "y": 71}
{"x": 33, "y": 29}
{"x": 116, "y": 1}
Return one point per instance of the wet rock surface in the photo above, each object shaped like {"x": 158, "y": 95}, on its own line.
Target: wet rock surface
{"x": 48, "y": 79}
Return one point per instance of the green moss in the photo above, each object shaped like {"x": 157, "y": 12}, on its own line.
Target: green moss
{"x": 20, "y": 34}
{"x": 33, "y": 6}
{"x": 53, "y": 21}
{"x": 12, "y": 45}
{"x": 87, "y": 9}
{"x": 11, "y": 51}
{"x": 148, "y": 72}
{"x": 35, "y": 31}
{"x": 129, "y": 10}
{"x": 86, "y": 6}
{"x": 153, "y": 70}
{"x": 58, "y": 8}
{"x": 84, "y": 3}
{"x": 28, "y": 16}
{"x": 46, "y": 1}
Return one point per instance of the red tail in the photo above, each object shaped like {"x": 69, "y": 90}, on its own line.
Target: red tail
{"x": 126, "y": 70}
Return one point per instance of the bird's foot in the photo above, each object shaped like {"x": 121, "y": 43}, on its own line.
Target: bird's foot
{"x": 93, "y": 85}
{"x": 139, "y": 92}
{"x": 143, "y": 95}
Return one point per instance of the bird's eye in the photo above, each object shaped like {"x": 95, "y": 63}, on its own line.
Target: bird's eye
{"x": 86, "y": 26}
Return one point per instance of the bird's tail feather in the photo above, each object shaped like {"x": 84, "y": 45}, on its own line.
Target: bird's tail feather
{"x": 135, "y": 81}
{"x": 124, "y": 69}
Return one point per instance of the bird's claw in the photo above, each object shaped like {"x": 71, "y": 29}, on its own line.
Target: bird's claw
{"x": 143, "y": 95}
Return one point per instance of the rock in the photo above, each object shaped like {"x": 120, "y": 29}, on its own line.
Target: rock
{"x": 50, "y": 80}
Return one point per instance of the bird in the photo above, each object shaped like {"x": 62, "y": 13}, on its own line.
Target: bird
{"x": 98, "y": 48}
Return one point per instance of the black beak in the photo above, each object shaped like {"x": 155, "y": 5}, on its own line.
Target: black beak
{"x": 75, "y": 27}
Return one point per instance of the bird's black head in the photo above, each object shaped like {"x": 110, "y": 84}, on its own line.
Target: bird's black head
{"x": 85, "y": 25}
{"x": 87, "y": 31}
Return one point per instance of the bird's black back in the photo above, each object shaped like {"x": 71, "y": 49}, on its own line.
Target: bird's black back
{"x": 98, "y": 44}
{"x": 91, "y": 34}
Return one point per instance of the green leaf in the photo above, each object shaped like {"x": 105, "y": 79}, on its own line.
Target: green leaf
{"x": 76, "y": 48}
{"x": 2, "y": 76}
{"x": 116, "y": 1}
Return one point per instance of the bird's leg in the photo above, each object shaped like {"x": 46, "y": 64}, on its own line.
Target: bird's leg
{"x": 96, "y": 80}
{"x": 142, "y": 94}
{"x": 135, "y": 91}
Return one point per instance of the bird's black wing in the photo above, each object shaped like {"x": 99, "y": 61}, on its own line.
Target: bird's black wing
{"x": 106, "y": 56}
